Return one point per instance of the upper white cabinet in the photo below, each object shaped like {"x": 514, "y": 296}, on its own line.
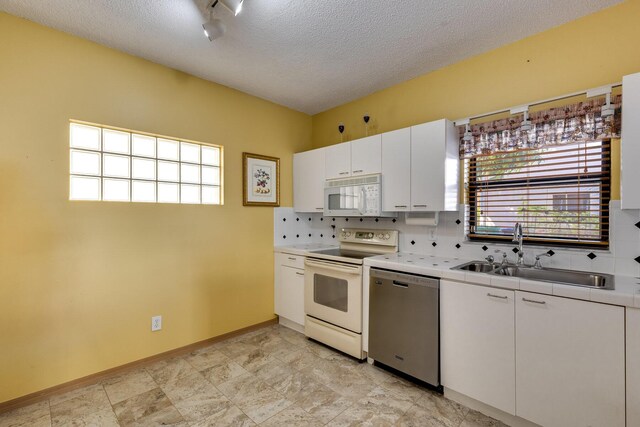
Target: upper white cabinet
{"x": 434, "y": 166}
{"x": 308, "y": 180}
{"x": 396, "y": 171}
{"x": 630, "y": 152}
{"x": 338, "y": 161}
{"x": 365, "y": 155}
{"x": 570, "y": 368}
{"x": 477, "y": 334}
{"x": 359, "y": 157}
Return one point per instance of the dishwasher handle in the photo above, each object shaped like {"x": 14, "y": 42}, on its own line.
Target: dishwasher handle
{"x": 400, "y": 279}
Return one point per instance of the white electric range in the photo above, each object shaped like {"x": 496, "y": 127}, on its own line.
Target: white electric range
{"x": 333, "y": 288}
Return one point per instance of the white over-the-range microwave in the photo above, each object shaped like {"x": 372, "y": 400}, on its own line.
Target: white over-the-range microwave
{"x": 357, "y": 196}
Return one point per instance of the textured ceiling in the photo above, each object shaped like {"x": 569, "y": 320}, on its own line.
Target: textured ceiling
{"x": 307, "y": 55}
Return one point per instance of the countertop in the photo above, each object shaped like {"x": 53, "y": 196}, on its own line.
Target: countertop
{"x": 626, "y": 292}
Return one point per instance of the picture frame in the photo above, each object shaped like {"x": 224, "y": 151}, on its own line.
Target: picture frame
{"x": 261, "y": 180}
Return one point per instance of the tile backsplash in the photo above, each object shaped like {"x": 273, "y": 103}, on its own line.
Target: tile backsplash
{"x": 448, "y": 239}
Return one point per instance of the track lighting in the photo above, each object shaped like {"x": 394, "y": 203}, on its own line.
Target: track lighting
{"x": 468, "y": 136}
{"x": 525, "y": 125}
{"x": 235, "y": 6}
{"x": 214, "y": 29}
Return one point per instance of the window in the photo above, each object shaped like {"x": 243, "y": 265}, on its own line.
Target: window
{"x": 122, "y": 166}
{"x": 560, "y": 194}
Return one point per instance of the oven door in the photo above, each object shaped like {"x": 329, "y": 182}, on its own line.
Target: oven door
{"x": 333, "y": 293}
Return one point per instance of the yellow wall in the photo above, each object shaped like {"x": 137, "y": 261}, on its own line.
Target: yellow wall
{"x": 79, "y": 281}
{"x": 589, "y": 52}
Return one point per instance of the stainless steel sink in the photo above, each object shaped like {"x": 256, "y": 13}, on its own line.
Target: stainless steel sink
{"x": 477, "y": 266}
{"x": 555, "y": 275}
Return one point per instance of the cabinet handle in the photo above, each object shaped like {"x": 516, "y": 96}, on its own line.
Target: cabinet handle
{"x": 343, "y": 173}
{"x": 419, "y": 206}
{"x": 292, "y": 258}
{"x": 533, "y": 301}
{"x": 299, "y": 274}
{"x": 497, "y": 296}
{"x": 401, "y": 206}
{"x": 358, "y": 171}
{"x": 319, "y": 209}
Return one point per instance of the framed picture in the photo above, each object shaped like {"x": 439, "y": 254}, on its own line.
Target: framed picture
{"x": 261, "y": 181}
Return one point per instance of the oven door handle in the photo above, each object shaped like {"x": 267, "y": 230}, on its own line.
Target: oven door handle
{"x": 328, "y": 265}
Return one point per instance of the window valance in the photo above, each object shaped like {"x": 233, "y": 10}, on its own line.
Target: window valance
{"x": 572, "y": 123}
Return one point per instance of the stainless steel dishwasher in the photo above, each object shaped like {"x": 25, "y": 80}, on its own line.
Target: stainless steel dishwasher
{"x": 404, "y": 323}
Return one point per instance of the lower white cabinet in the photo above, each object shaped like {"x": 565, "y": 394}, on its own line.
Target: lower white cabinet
{"x": 478, "y": 343}
{"x": 289, "y": 287}
{"x": 633, "y": 367}
{"x": 570, "y": 362}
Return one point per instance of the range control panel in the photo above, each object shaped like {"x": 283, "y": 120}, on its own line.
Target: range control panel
{"x": 380, "y": 237}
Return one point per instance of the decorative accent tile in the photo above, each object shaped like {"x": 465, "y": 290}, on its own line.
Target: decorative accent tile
{"x": 458, "y": 246}
{"x": 309, "y": 234}
{"x": 550, "y": 252}
{"x": 393, "y": 220}
{"x": 361, "y": 219}
{"x": 485, "y": 248}
{"x": 376, "y": 219}
{"x": 297, "y": 236}
{"x": 591, "y": 255}
{"x": 284, "y": 237}
{"x": 434, "y": 244}
{"x": 309, "y": 218}
{"x": 413, "y": 242}
{"x": 458, "y": 221}
{"x": 346, "y": 219}
{"x": 284, "y": 219}
{"x": 333, "y": 237}
{"x": 637, "y": 224}
{"x": 297, "y": 219}
{"x": 515, "y": 250}
{"x": 637, "y": 259}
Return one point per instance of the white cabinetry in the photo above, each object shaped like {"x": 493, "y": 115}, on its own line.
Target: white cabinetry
{"x": 633, "y": 367}
{"x": 396, "y": 170}
{"x": 630, "y": 151}
{"x": 338, "y": 161}
{"x": 478, "y": 343}
{"x": 359, "y": 157}
{"x": 308, "y": 181}
{"x": 570, "y": 358}
{"x": 434, "y": 166}
{"x": 289, "y": 287}
{"x": 365, "y": 155}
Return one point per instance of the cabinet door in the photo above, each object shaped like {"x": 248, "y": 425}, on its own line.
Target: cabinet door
{"x": 630, "y": 145}
{"x": 477, "y": 334}
{"x": 308, "y": 181}
{"x": 338, "y": 161}
{"x": 396, "y": 170}
{"x": 427, "y": 166}
{"x": 633, "y": 366}
{"x": 570, "y": 359}
{"x": 293, "y": 294}
{"x": 365, "y": 155}
{"x": 278, "y": 260}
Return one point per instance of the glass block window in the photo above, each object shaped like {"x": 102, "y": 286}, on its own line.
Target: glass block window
{"x": 126, "y": 166}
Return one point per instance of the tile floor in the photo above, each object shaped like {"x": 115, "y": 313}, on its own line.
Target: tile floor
{"x": 272, "y": 377}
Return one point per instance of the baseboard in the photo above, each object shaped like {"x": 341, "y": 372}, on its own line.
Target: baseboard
{"x": 472, "y": 403}
{"x": 99, "y": 376}
{"x": 291, "y": 324}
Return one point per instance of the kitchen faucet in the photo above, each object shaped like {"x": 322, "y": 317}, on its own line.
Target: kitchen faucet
{"x": 518, "y": 238}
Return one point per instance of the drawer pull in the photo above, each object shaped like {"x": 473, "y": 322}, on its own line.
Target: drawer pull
{"x": 358, "y": 171}
{"x": 319, "y": 209}
{"x": 533, "y": 301}
{"x": 419, "y": 206}
{"x": 343, "y": 173}
{"x": 292, "y": 258}
{"x": 299, "y": 274}
{"x": 497, "y": 296}
{"x": 401, "y": 206}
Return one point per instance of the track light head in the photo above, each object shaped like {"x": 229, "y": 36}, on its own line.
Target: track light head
{"x": 235, "y": 6}
{"x": 214, "y": 29}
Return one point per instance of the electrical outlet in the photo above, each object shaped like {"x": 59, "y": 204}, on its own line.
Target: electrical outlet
{"x": 431, "y": 234}
{"x": 156, "y": 323}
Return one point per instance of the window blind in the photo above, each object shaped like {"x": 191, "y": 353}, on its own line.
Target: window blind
{"x": 560, "y": 194}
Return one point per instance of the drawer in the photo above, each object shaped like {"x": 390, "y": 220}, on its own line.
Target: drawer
{"x": 295, "y": 261}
